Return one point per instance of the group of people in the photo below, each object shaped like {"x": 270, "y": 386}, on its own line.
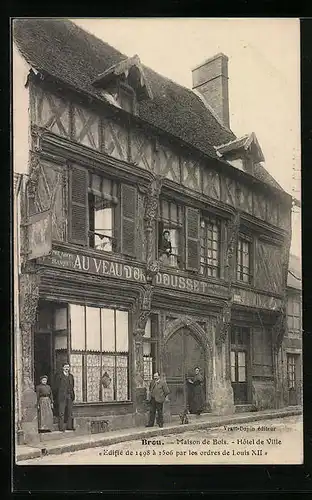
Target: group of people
{"x": 159, "y": 391}
{"x": 64, "y": 396}
{"x": 62, "y": 393}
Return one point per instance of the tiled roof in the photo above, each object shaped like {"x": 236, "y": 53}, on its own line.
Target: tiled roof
{"x": 72, "y": 55}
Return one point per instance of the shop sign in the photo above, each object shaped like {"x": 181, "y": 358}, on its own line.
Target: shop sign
{"x": 250, "y": 298}
{"x": 94, "y": 265}
{"x": 177, "y": 282}
{"x": 40, "y": 235}
{"x": 104, "y": 267}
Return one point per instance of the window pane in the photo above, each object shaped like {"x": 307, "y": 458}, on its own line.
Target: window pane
{"x": 93, "y": 329}
{"x": 122, "y": 378}
{"x": 76, "y": 370}
{"x": 122, "y": 331}
{"x": 93, "y": 377}
{"x": 296, "y": 323}
{"x": 173, "y": 212}
{"x": 241, "y": 359}
{"x": 296, "y": 308}
{"x": 146, "y": 349}
{"x": 108, "y": 330}
{"x": 233, "y": 373}
{"x": 96, "y": 182}
{"x": 290, "y": 322}
{"x": 60, "y": 342}
{"x": 148, "y": 329}
{"x": 165, "y": 210}
{"x": 241, "y": 374}
{"x": 77, "y": 327}
{"x": 107, "y": 186}
{"x": 174, "y": 238}
{"x": 60, "y": 319}
{"x": 108, "y": 378}
{"x": 103, "y": 227}
{"x": 148, "y": 370}
{"x": 232, "y": 358}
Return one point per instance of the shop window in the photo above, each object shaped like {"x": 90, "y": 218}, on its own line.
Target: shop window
{"x": 243, "y": 267}
{"x": 149, "y": 350}
{"x": 294, "y": 314}
{"x": 99, "y": 353}
{"x": 210, "y": 247}
{"x": 170, "y": 233}
{"x": 102, "y": 212}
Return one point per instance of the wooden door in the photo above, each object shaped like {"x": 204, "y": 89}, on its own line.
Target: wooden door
{"x": 43, "y": 356}
{"x": 239, "y": 376}
{"x": 292, "y": 379}
{"x": 182, "y": 354}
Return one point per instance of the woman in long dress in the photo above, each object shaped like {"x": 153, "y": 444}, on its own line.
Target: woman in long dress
{"x": 197, "y": 399}
{"x": 44, "y": 405}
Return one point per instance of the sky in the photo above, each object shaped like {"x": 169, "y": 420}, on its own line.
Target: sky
{"x": 264, "y": 76}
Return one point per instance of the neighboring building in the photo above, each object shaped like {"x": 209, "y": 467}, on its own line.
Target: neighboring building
{"x": 293, "y": 337}
{"x": 120, "y": 157}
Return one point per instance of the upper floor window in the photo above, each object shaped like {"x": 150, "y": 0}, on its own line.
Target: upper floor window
{"x": 102, "y": 212}
{"x": 210, "y": 247}
{"x": 293, "y": 314}
{"x": 126, "y": 98}
{"x": 170, "y": 233}
{"x": 102, "y": 203}
{"x": 243, "y": 267}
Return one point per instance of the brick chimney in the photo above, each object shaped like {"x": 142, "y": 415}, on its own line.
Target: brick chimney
{"x": 210, "y": 79}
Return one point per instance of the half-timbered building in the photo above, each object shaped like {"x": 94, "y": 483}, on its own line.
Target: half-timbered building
{"x": 293, "y": 335}
{"x": 121, "y": 160}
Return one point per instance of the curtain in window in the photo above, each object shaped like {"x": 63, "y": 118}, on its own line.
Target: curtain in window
{"x": 76, "y": 370}
{"x": 77, "y": 325}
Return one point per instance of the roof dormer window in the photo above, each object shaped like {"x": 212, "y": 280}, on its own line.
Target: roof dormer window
{"x": 242, "y": 153}
{"x": 125, "y": 83}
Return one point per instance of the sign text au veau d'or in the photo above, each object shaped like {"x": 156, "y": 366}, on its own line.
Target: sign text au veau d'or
{"x": 98, "y": 266}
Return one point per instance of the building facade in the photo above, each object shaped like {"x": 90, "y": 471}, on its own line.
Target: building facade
{"x": 293, "y": 335}
{"x": 121, "y": 160}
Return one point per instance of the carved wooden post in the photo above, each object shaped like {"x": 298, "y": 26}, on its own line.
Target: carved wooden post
{"x": 145, "y": 301}
{"x": 224, "y": 320}
{"x": 28, "y": 303}
{"x": 151, "y": 213}
{"x": 29, "y": 296}
{"x": 223, "y": 401}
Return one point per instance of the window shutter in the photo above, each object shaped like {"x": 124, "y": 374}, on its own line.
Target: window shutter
{"x": 78, "y": 205}
{"x": 192, "y": 238}
{"x": 128, "y": 215}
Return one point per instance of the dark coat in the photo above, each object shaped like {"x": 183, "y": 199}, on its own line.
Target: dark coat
{"x": 158, "y": 391}
{"x": 64, "y": 386}
{"x": 196, "y": 394}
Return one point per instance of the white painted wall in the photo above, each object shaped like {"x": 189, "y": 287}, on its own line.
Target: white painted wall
{"x": 21, "y": 143}
{"x": 21, "y": 117}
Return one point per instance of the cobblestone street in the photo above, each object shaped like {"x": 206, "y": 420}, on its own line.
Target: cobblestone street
{"x": 276, "y": 441}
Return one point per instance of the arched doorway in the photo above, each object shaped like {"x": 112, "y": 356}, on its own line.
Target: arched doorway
{"x": 182, "y": 353}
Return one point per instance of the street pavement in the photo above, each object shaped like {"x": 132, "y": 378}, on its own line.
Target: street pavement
{"x": 272, "y": 441}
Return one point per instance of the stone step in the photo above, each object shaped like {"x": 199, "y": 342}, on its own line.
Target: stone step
{"x": 46, "y": 437}
{"x": 244, "y": 408}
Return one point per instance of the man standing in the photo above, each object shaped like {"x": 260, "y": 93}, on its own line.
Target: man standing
{"x": 158, "y": 391}
{"x": 65, "y": 395}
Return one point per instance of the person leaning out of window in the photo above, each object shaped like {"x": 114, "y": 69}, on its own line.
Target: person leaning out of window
{"x": 165, "y": 247}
